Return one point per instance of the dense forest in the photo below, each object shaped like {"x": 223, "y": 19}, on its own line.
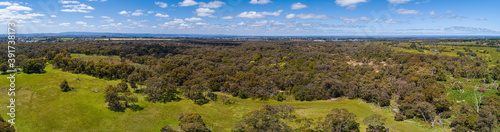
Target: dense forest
{"x": 166, "y": 71}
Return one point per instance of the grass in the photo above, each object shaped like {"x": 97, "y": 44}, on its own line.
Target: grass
{"x": 109, "y": 59}
{"x": 41, "y": 106}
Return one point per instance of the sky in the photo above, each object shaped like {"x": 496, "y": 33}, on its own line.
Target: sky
{"x": 256, "y": 17}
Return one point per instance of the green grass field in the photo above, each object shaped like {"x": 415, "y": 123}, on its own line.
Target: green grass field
{"x": 41, "y": 106}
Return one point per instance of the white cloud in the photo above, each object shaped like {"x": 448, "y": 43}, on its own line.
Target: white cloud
{"x": 64, "y": 24}
{"x": 227, "y": 17}
{"x": 355, "y": 19}
{"x": 254, "y": 14}
{"x": 123, "y": 13}
{"x": 53, "y": 16}
{"x": 188, "y": 3}
{"x": 182, "y": 24}
{"x": 407, "y": 12}
{"x": 307, "y": 16}
{"x": 204, "y": 12}
{"x": 161, "y": 15}
{"x": 213, "y": 4}
{"x": 88, "y": 16}
{"x": 18, "y": 12}
{"x": 193, "y": 19}
{"x": 298, "y": 5}
{"x": 5, "y": 3}
{"x": 260, "y": 2}
{"x": 149, "y": 12}
{"x": 81, "y": 23}
{"x": 161, "y": 4}
{"x": 75, "y": 6}
{"x": 398, "y": 1}
{"x": 137, "y": 13}
{"x": 108, "y": 19}
{"x": 351, "y": 4}
{"x": 17, "y": 7}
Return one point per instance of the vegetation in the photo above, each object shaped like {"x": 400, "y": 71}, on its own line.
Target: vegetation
{"x": 5, "y": 126}
{"x": 403, "y": 75}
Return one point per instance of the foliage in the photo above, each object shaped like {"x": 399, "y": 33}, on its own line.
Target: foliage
{"x": 267, "y": 119}
{"x": 64, "y": 86}
{"x": 192, "y": 122}
{"x": 340, "y": 120}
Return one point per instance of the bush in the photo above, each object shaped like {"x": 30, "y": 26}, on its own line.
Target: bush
{"x": 399, "y": 117}
{"x": 280, "y": 97}
{"x": 64, "y": 86}
{"x": 135, "y": 107}
{"x": 445, "y": 115}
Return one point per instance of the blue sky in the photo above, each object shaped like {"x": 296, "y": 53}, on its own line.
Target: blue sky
{"x": 257, "y": 17}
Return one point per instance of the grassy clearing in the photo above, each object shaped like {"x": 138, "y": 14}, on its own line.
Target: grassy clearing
{"x": 42, "y": 107}
{"x": 109, "y": 59}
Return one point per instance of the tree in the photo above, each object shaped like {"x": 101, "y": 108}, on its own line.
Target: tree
{"x": 340, "y": 120}
{"x": 113, "y": 100}
{"x": 375, "y": 123}
{"x": 4, "y": 67}
{"x": 34, "y": 66}
{"x": 192, "y": 122}
{"x": 122, "y": 87}
{"x": 267, "y": 119}
{"x": 159, "y": 90}
{"x": 64, "y": 86}
{"x": 5, "y": 126}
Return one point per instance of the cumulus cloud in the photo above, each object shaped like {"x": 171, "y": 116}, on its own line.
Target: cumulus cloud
{"x": 398, "y": 1}
{"x": 88, "y": 16}
{"x": 356, "y": 19}
{"x": 53, "y": 16}
{"x": 75, "y": 6}
{"x": 19, "y": 12}
{"x": 298, "y": 5}
{"x": 188, "y": 3}
{"x": 262, "y": 2}
{"x": 307, "y": 16}
{"x": 213, "y": 4}
{"x": 254, "y": 14}
{"x": 161, "y": 15}
{"x": 193, "y": 19}
{"x": 123, "y": 13}
{"x": 161, "y": 4}
{"x": 204, "y": 12}
{"x": 351, "y": 4}
{"x": 407, "y": 12}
